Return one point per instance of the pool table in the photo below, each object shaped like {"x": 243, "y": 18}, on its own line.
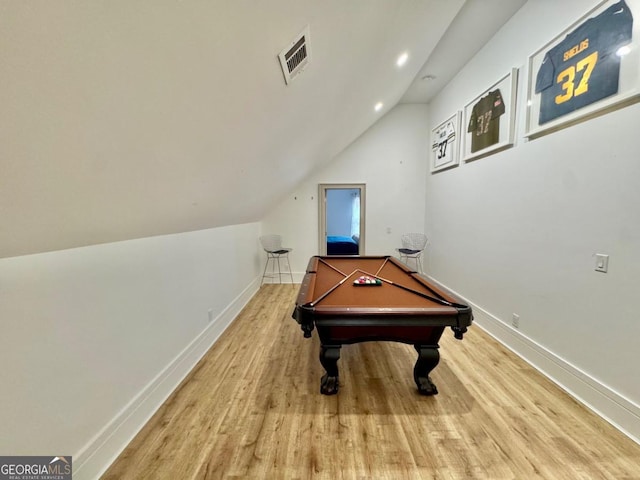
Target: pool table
{"x": 367, "y": 298}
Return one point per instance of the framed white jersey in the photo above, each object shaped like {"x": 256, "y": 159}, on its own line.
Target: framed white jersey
{"x": 444, "y": 143}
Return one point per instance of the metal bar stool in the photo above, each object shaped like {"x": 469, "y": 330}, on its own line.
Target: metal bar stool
{"x": 272, "y": 244}
{"x": 412, "y": 246}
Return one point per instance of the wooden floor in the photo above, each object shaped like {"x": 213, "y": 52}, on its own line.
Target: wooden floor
{"x": 251, "y": 409}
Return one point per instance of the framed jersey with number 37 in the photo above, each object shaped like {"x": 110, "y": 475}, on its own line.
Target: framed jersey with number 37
{"x": 589, "y": 69}
{"x": 445, "y": 139}
{"x": 489, "y": 119}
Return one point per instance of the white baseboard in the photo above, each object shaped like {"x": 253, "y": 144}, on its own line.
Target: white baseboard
{"x": 96, "y": 456}
{"x": 619, "y": 411}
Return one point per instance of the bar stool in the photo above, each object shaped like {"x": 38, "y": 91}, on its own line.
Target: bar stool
{"x": 272, "y": 244}
{"x": 412, "y": 246}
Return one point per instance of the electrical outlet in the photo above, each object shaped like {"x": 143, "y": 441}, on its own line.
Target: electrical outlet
{"x": 515, "y": 320}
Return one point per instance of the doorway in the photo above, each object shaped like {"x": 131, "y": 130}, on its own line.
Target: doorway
{"x": 341, "y": 218}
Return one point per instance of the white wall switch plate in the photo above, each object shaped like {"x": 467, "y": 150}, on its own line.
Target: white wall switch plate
{"x": 602, "y": 262}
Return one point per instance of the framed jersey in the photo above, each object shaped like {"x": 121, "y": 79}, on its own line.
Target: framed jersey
{"x": 445, "y": 139}
{"x": 488, "y": 121}
{"x": 591, "y": 68}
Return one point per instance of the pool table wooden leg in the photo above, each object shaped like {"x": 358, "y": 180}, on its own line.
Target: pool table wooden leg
{"x": 329, "y": 356}
{"x": 428, "y": 358}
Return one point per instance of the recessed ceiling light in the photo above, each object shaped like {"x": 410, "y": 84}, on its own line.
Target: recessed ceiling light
{"x": 402, "y": 59}
{"x": 378, "y": 106}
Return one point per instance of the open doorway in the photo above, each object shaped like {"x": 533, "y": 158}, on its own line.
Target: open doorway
{"x": 341, "y": 218}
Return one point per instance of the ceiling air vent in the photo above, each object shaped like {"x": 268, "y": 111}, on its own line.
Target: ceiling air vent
{"x": 295, "y": 57}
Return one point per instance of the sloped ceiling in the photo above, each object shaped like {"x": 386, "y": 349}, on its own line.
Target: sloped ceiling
{"x": 127, "y": 119}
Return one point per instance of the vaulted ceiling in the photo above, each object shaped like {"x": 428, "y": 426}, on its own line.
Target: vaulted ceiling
{"x": 128, "y": 119}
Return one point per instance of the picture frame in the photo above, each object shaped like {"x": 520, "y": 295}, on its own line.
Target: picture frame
{"x": 489, "y": 119}
{"x": 445, "y": 140}
{"x": 581, "y": 73}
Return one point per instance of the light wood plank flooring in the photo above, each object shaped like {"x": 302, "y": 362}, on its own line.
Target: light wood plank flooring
{"x": 251, "y": 409}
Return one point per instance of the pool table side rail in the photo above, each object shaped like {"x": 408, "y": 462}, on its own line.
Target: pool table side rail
{"x": 304, "y": 314}
{"x": 312, "y": 266}
{"x": 449, "y": 316}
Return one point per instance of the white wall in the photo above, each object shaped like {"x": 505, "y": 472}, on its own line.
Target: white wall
{"x": 390, "y": 158}
{"x": 517, "y": 232}
{"x": 94, "y": 338}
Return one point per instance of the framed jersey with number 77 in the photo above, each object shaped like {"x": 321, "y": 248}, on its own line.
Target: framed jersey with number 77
{"x": 589, "y": 69}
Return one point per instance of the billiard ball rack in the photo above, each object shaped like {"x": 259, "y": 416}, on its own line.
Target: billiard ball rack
{"x": 367, "y": 281}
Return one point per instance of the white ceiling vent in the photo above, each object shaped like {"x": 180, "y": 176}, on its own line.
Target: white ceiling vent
{"x": 296, "y": 56}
